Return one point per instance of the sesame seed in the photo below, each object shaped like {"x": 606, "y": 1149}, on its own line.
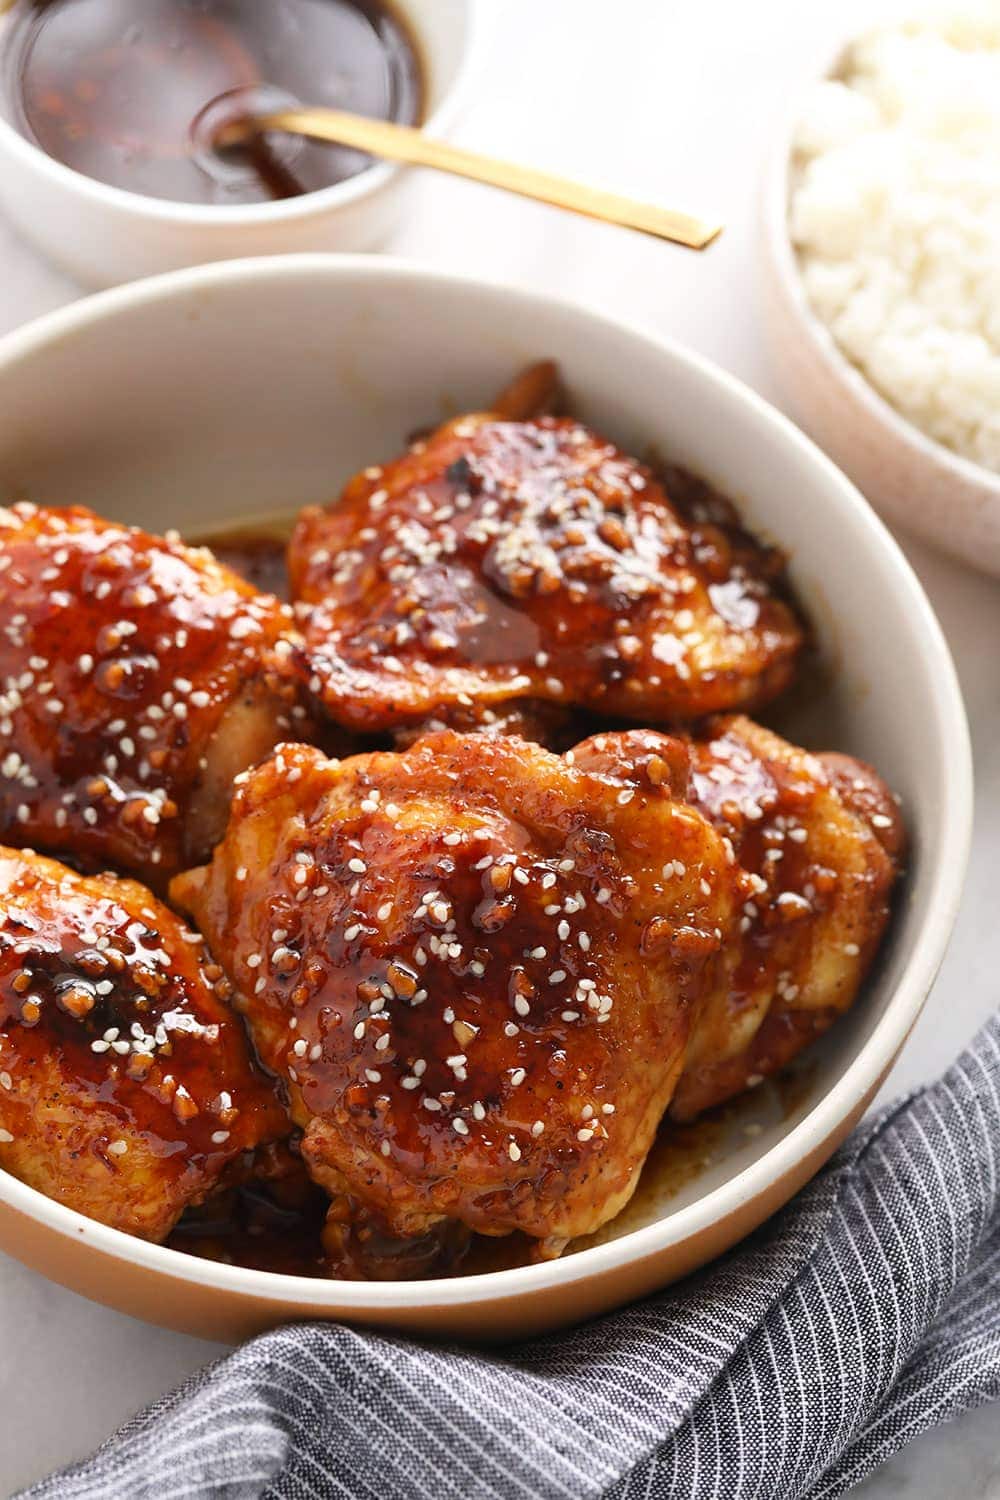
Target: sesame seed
{"x": 460, "y": 1126}
{"x": 220, "y": 1137}
{"x": 357, "y": 866}
{"x": 514, "y": 1151}
{"x": 5, "y": 1138}
{"x": 118, "y": 1148}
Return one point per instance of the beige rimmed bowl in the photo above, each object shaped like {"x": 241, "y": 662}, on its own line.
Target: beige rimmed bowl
{"x": 239, "y": 390}
{"x": 915, "y": 483}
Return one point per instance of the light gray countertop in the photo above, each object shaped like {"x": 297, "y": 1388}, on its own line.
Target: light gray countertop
{"x": 698, "y": 90}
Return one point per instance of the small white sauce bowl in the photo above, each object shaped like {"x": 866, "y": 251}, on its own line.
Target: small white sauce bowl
{"x": 914, "y": 482}
{"x": 103, "y": 235}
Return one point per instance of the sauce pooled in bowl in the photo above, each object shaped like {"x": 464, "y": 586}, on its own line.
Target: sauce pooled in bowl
{"x": 116, "y": 88}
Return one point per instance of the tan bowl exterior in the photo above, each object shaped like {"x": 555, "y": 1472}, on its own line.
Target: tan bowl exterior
{"x": 359, "y": 352}
{"x": 173, "y": 1302}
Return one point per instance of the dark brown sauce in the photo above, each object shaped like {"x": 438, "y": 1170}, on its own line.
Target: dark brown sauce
{"x": 114, "y": 88}
{"x": 248, "y": 1226}
{"x": 256, "y": 554}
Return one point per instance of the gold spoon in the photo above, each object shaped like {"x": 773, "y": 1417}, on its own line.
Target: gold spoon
{"x": 405, "y": 143}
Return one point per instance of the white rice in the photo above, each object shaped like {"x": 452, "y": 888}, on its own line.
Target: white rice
{"x": 895, "y": 214}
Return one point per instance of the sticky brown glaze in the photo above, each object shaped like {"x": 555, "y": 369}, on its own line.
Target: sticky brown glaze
{"x": 525, "y": 718}
{"x": 126, "y": 1087}
{"x": 137, "y": 677}
{"x": 822, "y": 841}
{"x": 473, "y": 974}
{"x": 506, "y": 560}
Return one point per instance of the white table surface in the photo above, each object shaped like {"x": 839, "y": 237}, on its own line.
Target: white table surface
{"x": 697, "y": 89}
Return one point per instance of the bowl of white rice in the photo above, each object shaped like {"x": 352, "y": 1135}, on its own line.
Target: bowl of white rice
{"x": 882, "y": 261}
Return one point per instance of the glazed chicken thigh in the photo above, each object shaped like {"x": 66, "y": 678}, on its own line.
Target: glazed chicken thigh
{"x": 137, "y": 677}
{"x": 475, "y": 966}
{"x": 126, "y": 1087}
{"x": 500, "y": 561}
{"x": 820, "y": 838}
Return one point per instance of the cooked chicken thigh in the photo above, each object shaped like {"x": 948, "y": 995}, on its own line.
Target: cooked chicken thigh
{"x": 821, "y": 840}
{"x": 475, "y": 966}
{"x": 126, "y": 1086}
{"x": 137, "y": 677}
{"x": 506, "y": 560}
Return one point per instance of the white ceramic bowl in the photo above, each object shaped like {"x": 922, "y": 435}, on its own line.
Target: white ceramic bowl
{"x": 102, "y": 235}
{"x": 238, "y": 390}
{"x": 913, "y": 481}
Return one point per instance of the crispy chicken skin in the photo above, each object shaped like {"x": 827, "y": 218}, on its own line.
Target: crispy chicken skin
{"x": 467, "y": 964}
{"x": 502, "y": 560}
{"x": 126, "y": 1086}
{"x": 137, "y": 677}
{"x": 821, "y": 839}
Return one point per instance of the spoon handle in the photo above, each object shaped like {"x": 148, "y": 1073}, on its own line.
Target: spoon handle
{"x": 404, "y": 143}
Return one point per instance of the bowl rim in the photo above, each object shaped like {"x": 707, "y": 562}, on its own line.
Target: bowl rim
{"x": 777, "y": 171}
{"x": 322, "y": 201}
{"x": 946, "y": 712}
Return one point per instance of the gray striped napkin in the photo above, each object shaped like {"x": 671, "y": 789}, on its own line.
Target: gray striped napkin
{"x": 865, "y": 1312}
